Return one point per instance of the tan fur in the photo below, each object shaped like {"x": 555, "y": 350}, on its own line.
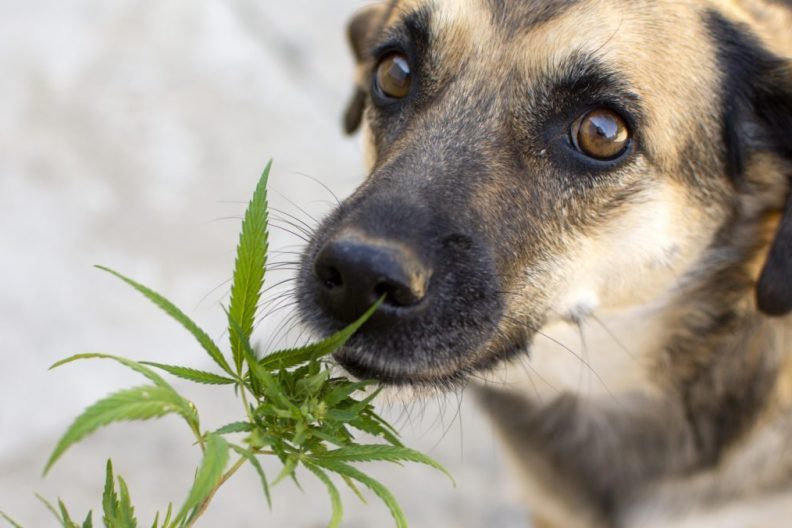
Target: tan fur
{"x": 630, "y": 337}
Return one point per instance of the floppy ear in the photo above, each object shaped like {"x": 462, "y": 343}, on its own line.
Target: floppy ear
{"x": 757, "y": 97}
{"x": 774, "y": 291}
{"x": 774, "y": 108}
{"x": 360, "y": 30}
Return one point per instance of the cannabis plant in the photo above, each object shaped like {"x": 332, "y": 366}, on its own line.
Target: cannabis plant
{"x": 295, "y": 408}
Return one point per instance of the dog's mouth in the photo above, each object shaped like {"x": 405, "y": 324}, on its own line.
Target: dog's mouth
{"x": 438, "y": 340}
{"x": 436, "y": 350}
{"x": 364, "y": 367}
{"x": 458, "y": 365}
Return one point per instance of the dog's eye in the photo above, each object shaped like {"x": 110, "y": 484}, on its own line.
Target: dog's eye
{"x": 601, "y": 134}
{"x": 393, "y": 77}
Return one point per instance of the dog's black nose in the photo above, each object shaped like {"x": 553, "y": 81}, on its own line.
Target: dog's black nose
{"x": 355, "y": 272}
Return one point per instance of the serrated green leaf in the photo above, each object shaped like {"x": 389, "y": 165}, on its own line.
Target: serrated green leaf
{"x": 166, "y": 521}
{"x": 235, "y": 427}
{"x": 289, "y": 467}
{"x": 351, "y": 485}
{"x": 88, "y": 522}
{"x": 251, "y": 457}
{"x": 384, "y": 453}
{"x": 117, "y": 509}
{"x": 261, "y": 377}
{"x": 310, "y": 386}
{"x": 381, "y": 491}
{"x": 109, "y": 497}
{"x": 293, "y": 476}
{"x": 140, "y": 403}
{"x": 290, "y": 358}
{"x": 208, "y": 475}
{"x": 126, "y": 512}
{"x": 384, "y": 423}
{"x": 50, "y": 507}
{"x": 65, "y": 517}
{"x": 343, "y": 391}
{"x": 168, "y": 307}
{"x": 332, "y": 490}
{"x": 371, "y": 423}
{"x": 10, "y": 521}
{"x": 359, "y": 406}
{"x": 134, "y": 365}
{"x": 251, "y": 261}
{"x": 337, "y": 436}
{"x": 189, "y": 374}
{"x": 341, "y": 415}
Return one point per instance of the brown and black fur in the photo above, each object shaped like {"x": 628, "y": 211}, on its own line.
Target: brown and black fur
{"x": 679, "y": 255}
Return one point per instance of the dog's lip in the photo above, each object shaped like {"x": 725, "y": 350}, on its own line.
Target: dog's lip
{"x": 356, "y": 365}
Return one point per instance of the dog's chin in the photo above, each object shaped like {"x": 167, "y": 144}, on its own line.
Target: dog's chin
{"x": 449, "y": 375}
{"x": 391, "y": 373}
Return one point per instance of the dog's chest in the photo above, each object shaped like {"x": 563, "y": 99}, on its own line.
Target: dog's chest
{"x": 607, "y": 355}
{"x": 758, "y": 512}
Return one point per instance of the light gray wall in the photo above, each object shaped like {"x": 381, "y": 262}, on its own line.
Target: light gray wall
{"x": 130, "y": 134}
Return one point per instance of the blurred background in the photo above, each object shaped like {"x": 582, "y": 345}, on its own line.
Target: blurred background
{"x": 131, "y": 134}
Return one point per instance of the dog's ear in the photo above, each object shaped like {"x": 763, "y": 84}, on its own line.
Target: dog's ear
{"x": 360, "y": 30}
{"x": 757, "y": 98}
{"x": 774, "y": 109}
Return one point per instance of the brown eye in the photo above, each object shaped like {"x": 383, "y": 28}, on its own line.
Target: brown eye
{"x": 394, "y": 77}
{"x": 601, "y": 134}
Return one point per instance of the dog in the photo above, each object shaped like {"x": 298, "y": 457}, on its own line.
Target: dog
{"x": 588, "y": 203}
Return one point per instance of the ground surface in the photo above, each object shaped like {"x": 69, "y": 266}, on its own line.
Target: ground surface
{"x": 130, "y": 133}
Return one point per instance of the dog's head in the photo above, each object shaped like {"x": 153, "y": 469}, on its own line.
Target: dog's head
{"x": 534, "y": 161}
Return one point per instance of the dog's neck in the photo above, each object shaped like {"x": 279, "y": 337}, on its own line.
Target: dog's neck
{"x": 671, "y": 394}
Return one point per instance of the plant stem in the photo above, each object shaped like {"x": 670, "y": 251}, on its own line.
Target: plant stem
{"x": 198, "y": 437}
{"x": 205, "y": 504}
{"x": 242, "y": 390}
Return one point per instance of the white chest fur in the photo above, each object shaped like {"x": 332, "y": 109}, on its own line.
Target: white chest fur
{"x": 604, "y": 356}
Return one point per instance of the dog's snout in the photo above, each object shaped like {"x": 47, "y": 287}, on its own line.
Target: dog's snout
{"x": 353, "y": 273}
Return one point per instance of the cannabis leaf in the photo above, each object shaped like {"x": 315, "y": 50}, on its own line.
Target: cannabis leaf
{"x": 139, "y": 403}
{"x": 249, "y": 269}
{"x": 295, "y": 408}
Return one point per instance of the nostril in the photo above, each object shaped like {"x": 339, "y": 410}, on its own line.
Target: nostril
{"x": 331, "y": 278}
{"x": 398, "y": 295}
{"x": 352, "y": 273}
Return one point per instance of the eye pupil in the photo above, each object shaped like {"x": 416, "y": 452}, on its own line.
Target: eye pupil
{"x": 601, "y": 134}
{"x": 394, "y": 77}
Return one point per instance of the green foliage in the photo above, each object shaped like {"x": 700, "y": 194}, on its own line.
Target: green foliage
{"x": 332, "y": 490}
{"x": 117, "y": 506}
{"x": 294, "y": 408}
{"x": 61, "y": 515}
{"x": 139, "y": 403}
{"x": 381, "y": 491}
{"x": 249, "y": 268}
{"x": 171, "y": 309}
{"x": 207, "y": 477}
{"x": 196, "y": 376}
{"x": 10, "y": 521}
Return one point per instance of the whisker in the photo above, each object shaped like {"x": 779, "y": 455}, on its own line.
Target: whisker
{"x": 324, "y": 186}
{"x": 305, "y": 234}
{"x": 564, "y": 347}
{"x": 210, "y": 292}
{"x": 296, "y": 218}
{"x": 287, "y": 230}
{"x": 615, "y": 339}
{"x": 585, "y": 355}
{"x": 222, "y": 219}
{"x": 299, "y": 208}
